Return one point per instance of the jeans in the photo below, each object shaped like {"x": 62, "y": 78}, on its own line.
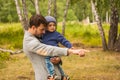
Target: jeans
{"x": 50, "y": 67}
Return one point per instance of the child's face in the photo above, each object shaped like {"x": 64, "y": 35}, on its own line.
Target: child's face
{"x": 51, "y": 27}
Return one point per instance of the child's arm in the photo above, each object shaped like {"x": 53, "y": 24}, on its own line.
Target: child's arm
{"x": 64, "y": 41}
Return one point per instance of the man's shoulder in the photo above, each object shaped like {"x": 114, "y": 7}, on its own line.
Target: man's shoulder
{"x": 29, "y": 39}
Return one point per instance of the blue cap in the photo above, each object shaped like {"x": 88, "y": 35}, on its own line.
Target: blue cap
{"x": 50, "y": 19}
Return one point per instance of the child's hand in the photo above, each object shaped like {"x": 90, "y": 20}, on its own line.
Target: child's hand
{"x": 50, "y": 78}
{"x": 72, "y": 48}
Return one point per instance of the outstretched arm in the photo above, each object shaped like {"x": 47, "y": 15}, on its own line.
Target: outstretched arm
{"x": 80, "y": 52}
{"x": 61, "y": 39}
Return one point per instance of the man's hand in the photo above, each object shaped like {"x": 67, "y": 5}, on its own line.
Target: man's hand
{"x": 80, "y": 52}
{"x": 55, "y": 60}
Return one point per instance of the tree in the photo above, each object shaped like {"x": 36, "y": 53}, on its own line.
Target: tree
{"x": 55, "y": 10}
{"x": 23, "y": 12}
{"x": 49, "y": 7}
{"x": 114, "y": 39}
{"x": 98, "y": 20}
{"x": 7, "y": 8}
{"x": 82, "y": 9}
{"x": 23, "y": 17}
{"x": 37, "y": 6}
{"x": 114, "y": 36}
{"x": 64, "y": 18}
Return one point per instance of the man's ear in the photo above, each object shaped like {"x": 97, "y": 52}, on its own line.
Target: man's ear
{"x": 33, "y": 27}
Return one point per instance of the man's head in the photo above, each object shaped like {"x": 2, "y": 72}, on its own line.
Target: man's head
{"x": 37, "y": 25}
{"x": 51, "y": 23}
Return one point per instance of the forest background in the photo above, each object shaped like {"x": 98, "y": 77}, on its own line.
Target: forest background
{"x": 90, "y": 24}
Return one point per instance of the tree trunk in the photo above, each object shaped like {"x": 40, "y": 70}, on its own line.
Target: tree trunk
{"x": 102, "y": 34}
{"x": 22, "y": 17}
{"x": 107, "y": 18}
{"x": 117, "y": 44}
{"x": 25, "y": 14}
{"x": 37, "y": 7}
{"x": 55, "y": 10}
{"x": 19, "y": 13}
{"x": 113, "y": 26}
{"x": 92, "y": 8}
{"x": 64, "y": 18}
{"x": 49, "y": 7}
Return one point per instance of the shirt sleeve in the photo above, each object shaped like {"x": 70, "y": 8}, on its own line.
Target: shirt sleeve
{"x": 64, "y": 41}
{"x": 35, "y": 46}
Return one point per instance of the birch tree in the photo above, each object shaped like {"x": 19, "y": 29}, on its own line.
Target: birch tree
{"x": 99, "y": 23}
{"x": 23, "y": 12}
{"x": 65, "y": 15}
{"x": 55, "y": 9}
{"x": 37, "y": 6}
{"x": 114, "y": 37}
{"x": 49, "y": 7}
{"x": 23, "y": 17}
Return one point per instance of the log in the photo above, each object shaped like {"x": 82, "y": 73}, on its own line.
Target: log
{"x": 11, "y": 51}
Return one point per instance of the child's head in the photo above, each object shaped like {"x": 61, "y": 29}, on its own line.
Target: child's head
{"x": 51, "y": 26}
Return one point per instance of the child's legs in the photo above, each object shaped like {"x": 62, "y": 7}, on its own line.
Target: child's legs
{"x": 61, "y": 70}
{"x": 50, "y": 66}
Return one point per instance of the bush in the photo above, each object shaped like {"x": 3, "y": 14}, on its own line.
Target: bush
{"x": 11, "y": 35}
{"x": 4, "y": 57}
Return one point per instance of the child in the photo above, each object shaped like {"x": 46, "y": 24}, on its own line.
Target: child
{"x": 52, "y": 37}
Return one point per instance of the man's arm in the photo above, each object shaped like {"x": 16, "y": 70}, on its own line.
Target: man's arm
{"x": 45, "y": 50}
{"x": 80, "y": 52}
{"x": 37, "y": 47}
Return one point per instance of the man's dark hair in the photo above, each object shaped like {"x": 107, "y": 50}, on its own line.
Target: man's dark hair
{"x": 36, "y": 20}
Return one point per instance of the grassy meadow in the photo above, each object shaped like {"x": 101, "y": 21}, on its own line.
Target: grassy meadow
{"x": 96, "y": 65}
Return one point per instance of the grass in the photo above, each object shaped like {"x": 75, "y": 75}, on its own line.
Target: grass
{"x": 79, "y": 33}
{"x": 11, "y": 35}
{"x": 96, "y": 65}
{"x": 3, "y": 58}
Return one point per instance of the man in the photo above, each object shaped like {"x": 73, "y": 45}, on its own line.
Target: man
{"x": 36, "y": 51}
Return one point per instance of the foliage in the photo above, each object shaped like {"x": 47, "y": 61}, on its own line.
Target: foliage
{"x": 103, "y": 6}
{"x": 9, "y": 14}
{"x": 82, "y": 9}
{"x": 3, "y": 57}
{"x": 79, "y": 9}
{"x": 87, "y": 34}
{"x": 11, "y": 35}
{"x": 8, "y": 11}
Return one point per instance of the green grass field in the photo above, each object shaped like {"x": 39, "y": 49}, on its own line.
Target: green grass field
{"x": 96, "y": 65}
{"x": 11, "y": 34}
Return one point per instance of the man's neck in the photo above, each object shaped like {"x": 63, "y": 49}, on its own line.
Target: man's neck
{"x": 30, "y": 31}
